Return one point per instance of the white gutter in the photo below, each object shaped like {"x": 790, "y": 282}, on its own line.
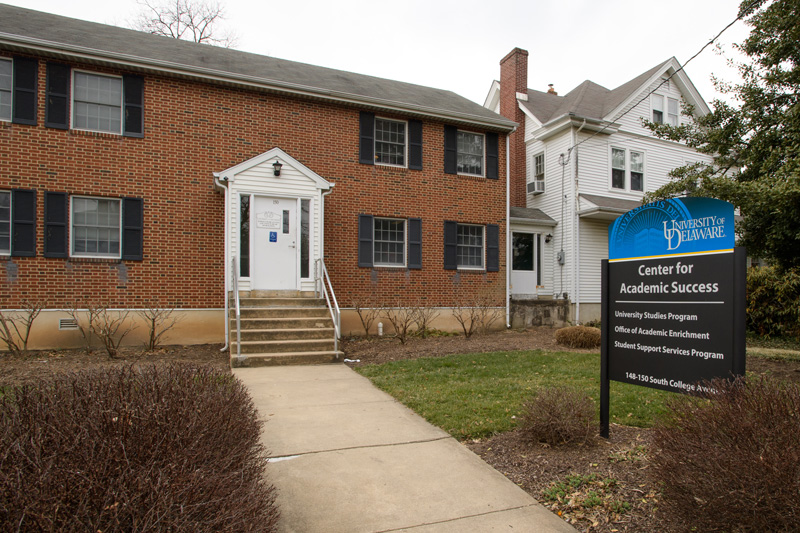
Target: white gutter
{"x": 508, "y": 235}
{"x": 226, "y": 240}
{"x": 245, "y": 80}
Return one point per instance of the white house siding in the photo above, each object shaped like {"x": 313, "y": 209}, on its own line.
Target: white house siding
{"x": 594, "y": 248}
{"x": 260, "y": 180}
{"x": 550, "y": 203}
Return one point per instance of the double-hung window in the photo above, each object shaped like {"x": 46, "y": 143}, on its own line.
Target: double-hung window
{"x": 97, "y": 102}
{"x": 469, "y": 246}
{"x": 627, "y": 169}
{"x": 389, "y": 242}
{"x": 657, "y": 104}
{"x": 470, "y": 153}
{"x": 5, "y": 222}
{"x": 390, "y": 142}
{"x": 672, "y": 111}
{"x": 538, "y": 167}
{"x": 5, "y": 89}
{"x": 96, "y": 227}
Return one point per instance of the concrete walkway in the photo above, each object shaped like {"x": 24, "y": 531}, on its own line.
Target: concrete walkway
{"x": 347, "y": 457}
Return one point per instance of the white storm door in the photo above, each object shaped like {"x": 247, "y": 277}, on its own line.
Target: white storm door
{"x": 274, "y": 244}
{"x": 525, "y": 267}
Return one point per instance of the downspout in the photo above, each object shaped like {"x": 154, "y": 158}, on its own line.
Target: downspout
{"x": 508, "y": 234}
{"x": 226, "y": 240}
{"x": 322, "y": 224}
{"x": 577, "y": 241}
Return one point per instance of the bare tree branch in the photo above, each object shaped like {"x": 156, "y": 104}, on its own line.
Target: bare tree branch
{"x": 190, "y": 20}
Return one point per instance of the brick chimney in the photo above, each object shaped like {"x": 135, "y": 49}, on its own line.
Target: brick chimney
{"x": 513, "y": 80}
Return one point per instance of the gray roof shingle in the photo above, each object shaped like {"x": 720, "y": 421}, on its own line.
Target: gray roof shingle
{"x": 587, "y": 100}
{"x": 23, "y": 29}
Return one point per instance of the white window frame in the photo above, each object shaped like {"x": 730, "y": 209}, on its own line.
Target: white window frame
{"x": 10, "y": 91}
{"x": 71, "y": 228}
{"x": 657, "y": 107}
{"x": 405, "y": 142}
{"x": 535, "y": 167}
{"x": 73, "y": 107}
{"x": 668, "y": 115}
{"x": 483, "y": 154}
{"x": 482, "y": 266}
{"x": 375, "y": 241}
{"x": 628, "y": 169}
{"x": 10, "y": 229}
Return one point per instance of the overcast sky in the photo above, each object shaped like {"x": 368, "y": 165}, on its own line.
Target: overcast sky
{"x": 457, "y": 45}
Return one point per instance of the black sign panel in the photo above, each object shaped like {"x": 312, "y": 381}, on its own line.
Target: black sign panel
{"x": 670, "y": 320}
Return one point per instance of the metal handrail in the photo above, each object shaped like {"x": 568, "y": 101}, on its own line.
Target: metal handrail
{"x": 322, "y": 283}
{"x": 235, "y": 278}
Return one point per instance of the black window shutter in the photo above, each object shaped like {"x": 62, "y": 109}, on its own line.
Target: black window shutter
{"x": 23, "y": 101}
{"x": 366, "y": 135}
{"x": 132, "y": 229}
{"x": 415, "y": 243}
{"x": 56, "y": 111}
{"x": 415, "y": 144}
{"x": 23, "y": 223}
{"x": 492, "y": 247}
{"x": 450, "y": 150}
{"x": 492, "y": 156}
{"x": 450, "y": 245}
{"x": 55, "y": 224}
{"x": 133, "y": 90}
{"x": 365, "y": 232}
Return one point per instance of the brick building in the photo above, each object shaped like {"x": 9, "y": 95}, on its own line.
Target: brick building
{"x": 135, "y": 169}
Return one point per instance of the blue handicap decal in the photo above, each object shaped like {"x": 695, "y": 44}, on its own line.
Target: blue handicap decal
{"x": 273, "y": 236}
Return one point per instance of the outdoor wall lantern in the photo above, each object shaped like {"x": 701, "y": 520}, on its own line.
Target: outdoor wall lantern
{"x": 547, "y": 238}
{"x": 277, "y": 166}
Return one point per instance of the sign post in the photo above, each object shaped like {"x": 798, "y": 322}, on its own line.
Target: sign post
{"x": 673, "y": 311}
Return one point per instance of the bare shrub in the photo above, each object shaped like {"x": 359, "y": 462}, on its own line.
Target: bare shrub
{"x": 560, "y": 415}
{"x": 15, "y": 327}
{"x": 159, "y": 321}
{"x": 111, "y": 327}
{"x": 487, "y": 311}
{"x": 368, "y": 312}
{"x": 402, "y": 320}
{"x": 85, "y": 324}
{"x": 467, "y": 316}
{"x": 731, "y": 459}
{"x": 424, "y": 317}
{"x": 578, "y": 337}
{"x": 147, "y": 448}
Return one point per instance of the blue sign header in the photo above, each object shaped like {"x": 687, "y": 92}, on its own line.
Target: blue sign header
{"x": 678, "y": 226}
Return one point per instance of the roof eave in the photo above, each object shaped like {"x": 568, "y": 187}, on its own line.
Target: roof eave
{"x": 532, "y": 221}
{"x": 559, "y": 124}
{"x": 168, "y": 67}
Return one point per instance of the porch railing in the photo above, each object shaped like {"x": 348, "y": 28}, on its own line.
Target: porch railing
{"x": 324, "y": 286}
{"x": 235, "y": 278}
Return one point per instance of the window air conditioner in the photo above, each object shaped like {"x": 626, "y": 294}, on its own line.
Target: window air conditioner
{"x": 536, "y": 187}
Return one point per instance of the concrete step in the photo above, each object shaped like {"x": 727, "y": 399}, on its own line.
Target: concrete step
{"x": 283, "y": 323}
{"x": 293, "y": 334}
{"x": 275, "y": 294}
{"x": 284, "y": 346}
{"x": 282, "y": 312}
{"x": 288, "y": 358}
{"x": 281, "y": 302}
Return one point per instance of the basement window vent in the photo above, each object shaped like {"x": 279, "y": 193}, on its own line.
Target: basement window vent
{"x": 67, "y": 323}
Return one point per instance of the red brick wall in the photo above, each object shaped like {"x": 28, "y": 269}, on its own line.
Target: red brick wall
{"x": 194, "y": 129}
{"x": 514, "y": 79}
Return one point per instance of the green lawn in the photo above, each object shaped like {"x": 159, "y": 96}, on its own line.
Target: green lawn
{"x": 477, "y": 395}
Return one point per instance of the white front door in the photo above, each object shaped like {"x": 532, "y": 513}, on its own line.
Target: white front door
{"x": 274, "y": 243}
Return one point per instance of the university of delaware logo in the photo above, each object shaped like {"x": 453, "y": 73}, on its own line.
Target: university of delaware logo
{"x": 679, "y": 231}
{"x": 675, "y": 226}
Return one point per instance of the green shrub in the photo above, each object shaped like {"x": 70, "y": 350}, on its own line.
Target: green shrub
{"x": 153, "y": 448}
{"x": 773, "y": 302}
{"x": 578, "y": 337}
{"x": 731, "y": 460}
{"x": 559, "y": 415}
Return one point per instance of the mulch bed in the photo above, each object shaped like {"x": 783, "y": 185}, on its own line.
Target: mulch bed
{"x": 534, "y": 467}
